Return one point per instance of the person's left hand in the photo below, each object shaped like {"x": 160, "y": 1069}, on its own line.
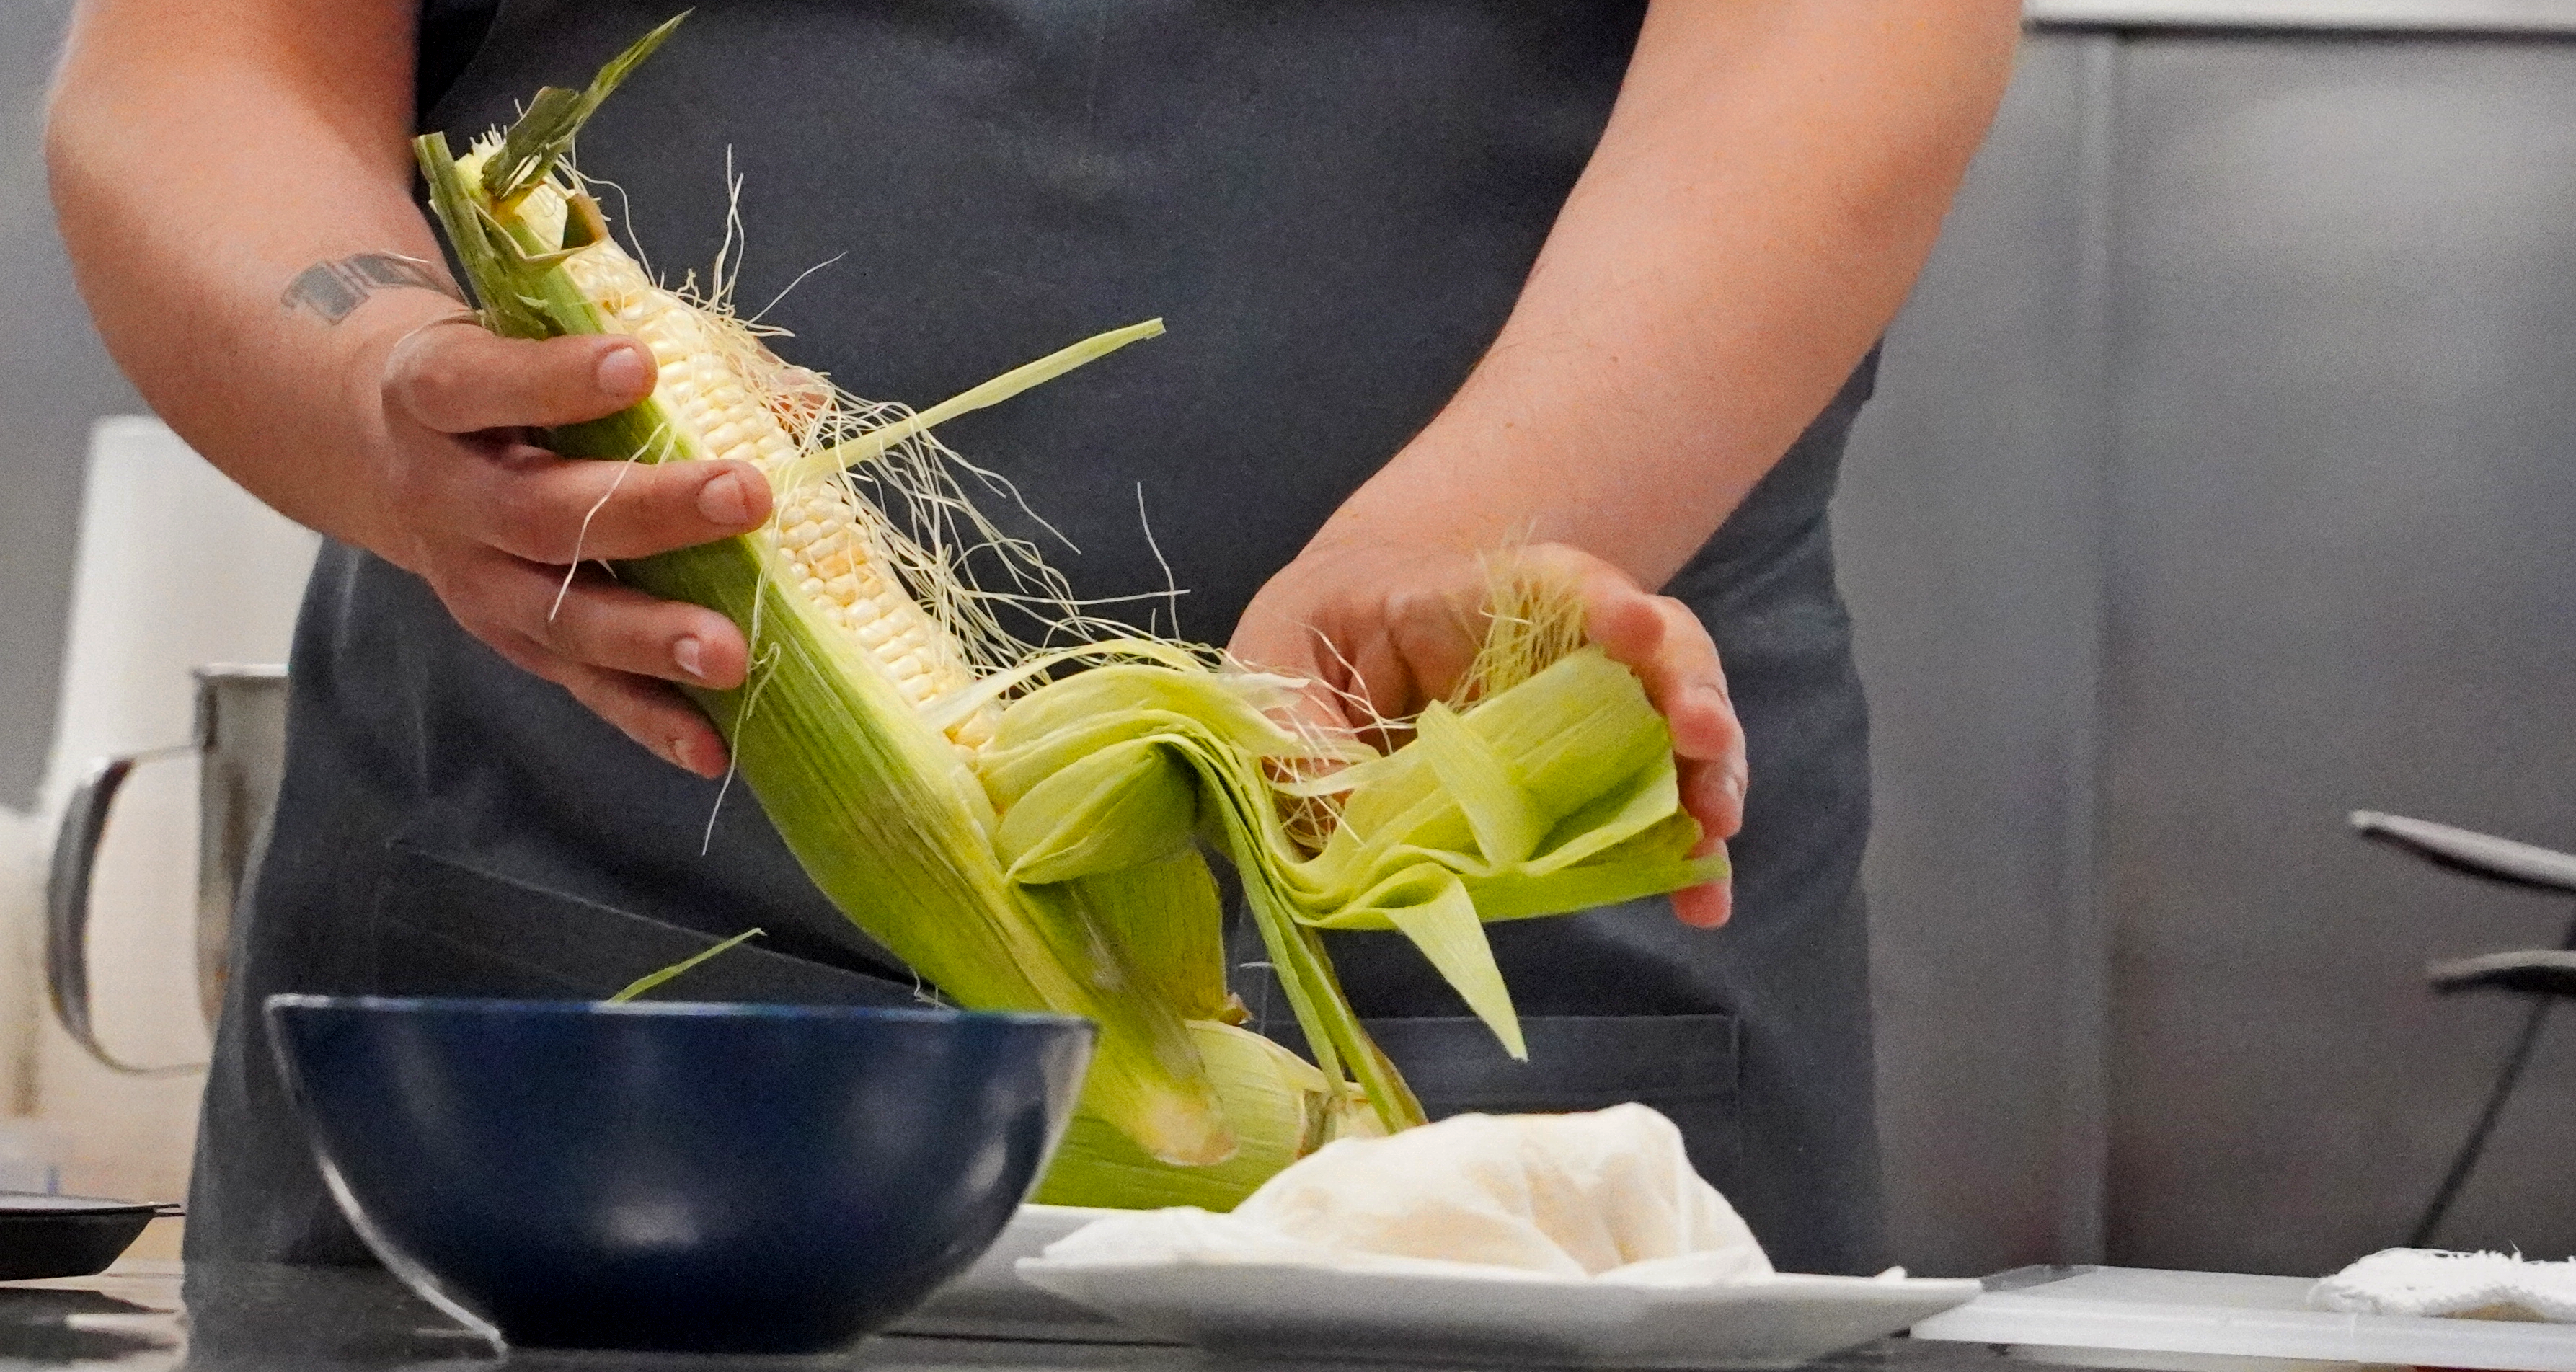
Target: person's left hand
{"x": 1397, "y": 627}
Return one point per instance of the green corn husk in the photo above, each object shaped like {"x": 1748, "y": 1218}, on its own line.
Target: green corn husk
{"x": 873, "y": 802}
{"x": 1063, "y": 863}
{"x": 1281, "y": 1106}
{"x": 654, "y": 981}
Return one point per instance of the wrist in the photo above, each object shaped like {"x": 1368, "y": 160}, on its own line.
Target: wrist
{"x": 1429, "y": 501}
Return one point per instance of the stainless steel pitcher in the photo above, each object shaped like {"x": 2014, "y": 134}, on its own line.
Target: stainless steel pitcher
{"x": 240, "y": 747}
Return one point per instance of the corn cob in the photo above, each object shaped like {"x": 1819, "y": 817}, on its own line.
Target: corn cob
{"x": 1029, "y": 838}
{"x": 828, "y": 731}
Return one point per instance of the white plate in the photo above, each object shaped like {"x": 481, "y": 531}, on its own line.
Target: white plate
{"x": 1278, "y": 1310}
{"x": 989, "y": 1301}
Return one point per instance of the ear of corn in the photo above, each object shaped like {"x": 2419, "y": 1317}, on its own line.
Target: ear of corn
{"x": 879, "y": 806}
{"x": 1029, "y": 836}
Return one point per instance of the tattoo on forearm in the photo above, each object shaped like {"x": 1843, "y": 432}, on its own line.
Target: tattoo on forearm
{"x": 332, "y": 290}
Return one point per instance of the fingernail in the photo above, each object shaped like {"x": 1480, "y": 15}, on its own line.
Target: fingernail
{"x": 1731, "y": 785}
{"x": 622, "y": 372}
{"x": 684, "y": 756}
{"x": 724, "y": 502}
{"x": 691, "y": 655}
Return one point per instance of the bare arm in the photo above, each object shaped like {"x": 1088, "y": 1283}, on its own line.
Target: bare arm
{"x": 233, "y": 180}
{"x": 1769, "y": 184}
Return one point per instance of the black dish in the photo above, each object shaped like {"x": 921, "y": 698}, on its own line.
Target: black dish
{"x": 65, "y": 1236}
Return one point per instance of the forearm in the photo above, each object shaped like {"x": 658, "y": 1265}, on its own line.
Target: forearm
{"x": 1769, "y": 184}
{"x": 203, "y": 158}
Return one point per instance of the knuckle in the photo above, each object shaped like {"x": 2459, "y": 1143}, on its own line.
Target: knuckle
{"x": 596, "y": 628}
{"x": 433, "y": 385}
{"x": 528, "y": 528}
{"x": 393, "y": 386}
{"x": 656, "y": 503}
{"x": 560, "y": 627}
{"x": 440, "y": 369}
{"x": 1415, "y": 608}
{"x": 620, "y": 500}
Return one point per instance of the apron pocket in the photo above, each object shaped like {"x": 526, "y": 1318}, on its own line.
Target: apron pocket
{"x": 1682, "y": 1065}
{"x": 446, "y": 928}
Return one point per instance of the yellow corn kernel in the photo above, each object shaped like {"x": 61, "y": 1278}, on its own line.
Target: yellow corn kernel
{"x": 823, "y": 534}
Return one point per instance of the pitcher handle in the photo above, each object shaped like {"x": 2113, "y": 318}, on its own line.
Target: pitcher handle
{"x": 67, "y": 905}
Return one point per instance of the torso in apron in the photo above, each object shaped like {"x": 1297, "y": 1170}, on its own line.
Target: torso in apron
{"x": 1333, "y": 205}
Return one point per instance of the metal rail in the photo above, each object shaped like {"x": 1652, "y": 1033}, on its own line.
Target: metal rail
{"x": 2501, "y": 17}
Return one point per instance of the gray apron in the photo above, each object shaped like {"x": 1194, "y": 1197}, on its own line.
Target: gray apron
{"x": 1333, "y": 203}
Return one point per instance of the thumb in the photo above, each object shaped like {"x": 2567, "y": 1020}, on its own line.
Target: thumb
{"x": 454, "y": 376}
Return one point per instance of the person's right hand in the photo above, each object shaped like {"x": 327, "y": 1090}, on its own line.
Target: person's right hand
{"x": 492, "y": 522}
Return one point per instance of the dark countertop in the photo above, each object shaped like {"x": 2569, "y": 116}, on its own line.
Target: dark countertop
{"x": 323, "y": 1319}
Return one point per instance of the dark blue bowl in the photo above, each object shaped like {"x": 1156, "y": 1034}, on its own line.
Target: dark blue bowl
{"x": 671, "y": 1177}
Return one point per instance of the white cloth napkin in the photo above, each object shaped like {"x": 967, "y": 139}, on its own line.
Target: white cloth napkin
{"x": 2425, "y": 1281}
{"x": 1606, "y": 1196}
